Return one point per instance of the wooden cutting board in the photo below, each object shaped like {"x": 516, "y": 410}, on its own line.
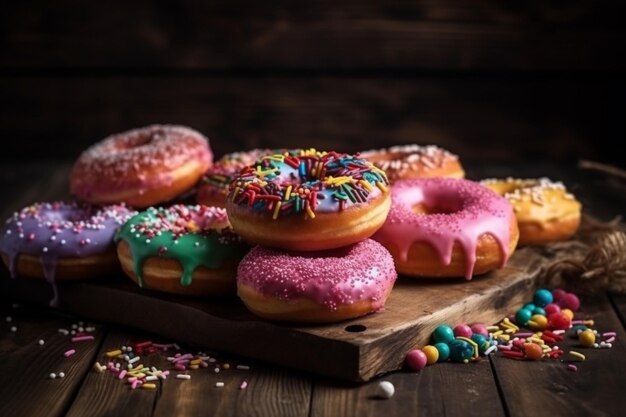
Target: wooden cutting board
{"x": 354, "y": 350}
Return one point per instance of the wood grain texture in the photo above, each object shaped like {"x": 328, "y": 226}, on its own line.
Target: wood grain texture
{"x": 104, "y": 395}
{"x": 445, "y": 389}
{"x": 269, "y": 392}
{"x": 320, "y": 35}
{"x": 378, "y": 345}
{"x": 619, "y": 303}
{"x": 487, "y": 119}
{"x": 546, "y": 387}
{"x": 25, "y": 388}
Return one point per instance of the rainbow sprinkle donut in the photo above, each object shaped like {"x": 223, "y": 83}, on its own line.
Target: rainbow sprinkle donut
{"x": 309, "y": 200}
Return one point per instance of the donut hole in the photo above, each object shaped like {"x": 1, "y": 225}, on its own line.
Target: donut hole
{"x": 355, "y": 328}
{"x": 441, "y": 207}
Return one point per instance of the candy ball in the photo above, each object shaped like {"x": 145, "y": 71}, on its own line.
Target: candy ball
{"x": 570, "y": 301}
{"x": 443, "y": 334}
{"x": 481, "y": 341}
{"x": 463, "y": 330}
{"x": 559, "y": 321}
{"x": 587, "y": 338}
{"x": 552, "y": 308}
{"x": 522, "y": 316}
{"x": 557, "y": 294}
{"x": 579, "y": 328}
{"x": 529, "y": 306}
{"x": 538, "y": 322}
{"x": 385, "y": 389}
{"x": 432, "y": 354}
{"x": 479, "y": 328}
{"x": 539, "y": 310}
{"x": 533, "y": 351}
{"x": 542, "y": 297}
{"x": 444, "y": 351}
{"x": 416, "y": 360}
{"x": 461, "y": 351}
{"x": 569, "y": 313}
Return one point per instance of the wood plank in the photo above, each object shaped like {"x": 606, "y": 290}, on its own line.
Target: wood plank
{"x": 443, "y": 389}
{"x": 25, "y": 388}
{"x": 619, "y": 303}
{"x": 320, "y": 35}
{"x": 355, "y": 350}
{"x": 484, "y": 118}
{"x": 270, "y": 391}
{"x": 547, "y": 388}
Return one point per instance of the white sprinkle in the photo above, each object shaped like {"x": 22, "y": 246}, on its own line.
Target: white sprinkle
{"x": 216, "y": 370}
{"x": 133, "y": 360}
{"x": 9, "y": 319}
{"x": 52, "y": 375}
{"x": 491, "y": 349}
{"x": 243, "y": 385}
{"x": 63, "y": 242}
{"x": 81, "y": 329}
{"x": 74, "y": 326}
{"x": 64, "y": 332}
{"x": 151, "y": 378}
{"x": 41, "y": 342}
{"x": 219, "y": 384}
{"x": 183, "y": 376}
{"x": 243, "y": 367}
{"x": 61, "y": 374}
{"x": 45, "y": 249}
{"x": 13, "y": 329}
{"x": 385, "y": 389}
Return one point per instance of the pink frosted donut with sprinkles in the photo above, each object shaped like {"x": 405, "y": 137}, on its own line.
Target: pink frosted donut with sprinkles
{"x": 62, "y": 241}
{"x": 316, "y": 287}
{"x": 445, "y": 227}
{"x": 213, "y": 188}
{"x": 141, "y": 167}
{"x": 308, "y": 200}
{"x": 415, "y": 161}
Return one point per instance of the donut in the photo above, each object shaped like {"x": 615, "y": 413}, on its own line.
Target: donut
{"x": 545, "y": 211}
{"x": 318, "y": 286}
{"x": 62, "y": 240}
{"x": 141, "y": 167}
{"x": 213, "y": 187}
{"x": 447, "y": 227}
{"x": 189, "y": 250}
{"x": 415, "y": 161}
{"x": 309, "y": 200}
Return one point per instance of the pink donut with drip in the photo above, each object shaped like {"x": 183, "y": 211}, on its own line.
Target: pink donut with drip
{"x": 317, "y": 287}
{"x": 445, "y": 227}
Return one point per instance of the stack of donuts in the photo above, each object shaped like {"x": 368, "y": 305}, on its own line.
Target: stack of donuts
{"x": 299, "y": 235}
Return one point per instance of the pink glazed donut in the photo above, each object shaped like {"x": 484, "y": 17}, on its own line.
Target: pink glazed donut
{"x": 445, "y": 227}
{"x": 316, "y": 287}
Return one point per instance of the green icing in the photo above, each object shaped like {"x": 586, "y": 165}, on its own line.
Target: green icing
{"x": 208, "y": 248}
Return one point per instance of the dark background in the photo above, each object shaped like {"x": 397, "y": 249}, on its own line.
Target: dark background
{"x": 489, "y": 80}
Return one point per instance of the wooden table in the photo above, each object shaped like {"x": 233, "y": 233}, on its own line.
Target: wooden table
{"x": 491, "y": 387}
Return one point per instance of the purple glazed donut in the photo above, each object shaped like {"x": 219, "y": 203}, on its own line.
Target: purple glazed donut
{"x": 62, "y": 240}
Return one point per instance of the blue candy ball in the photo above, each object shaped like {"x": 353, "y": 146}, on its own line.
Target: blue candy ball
{"x": 444, "y": 351}
{"x": 542, "y": 297}
{"x": 529, "y": 306}
{"x": 481, "y": 341}
{"x": 461, "y": 351}
{"x": 522, "y": 316}
{"x": 443, "y": 334}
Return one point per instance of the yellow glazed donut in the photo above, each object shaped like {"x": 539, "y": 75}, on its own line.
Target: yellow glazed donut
{"x": 545, "y": 210}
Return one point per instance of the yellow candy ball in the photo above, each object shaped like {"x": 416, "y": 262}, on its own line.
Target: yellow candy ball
{"x": 569, "y": 313}
{"x": 538, "y": 322}
{"x": 432, "y": 354}
{"x": 587, "y": 338}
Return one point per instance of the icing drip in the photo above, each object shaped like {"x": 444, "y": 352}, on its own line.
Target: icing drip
{"x": 60, "y": 230}
{"x": 363, "y": 271}
{"x": 468, "y": 211}
{"x": 193, "y": 235}
{"x": 309, "y": 182}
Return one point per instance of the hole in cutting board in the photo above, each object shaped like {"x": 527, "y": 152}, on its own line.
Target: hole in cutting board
{"x": 355, "y": 328}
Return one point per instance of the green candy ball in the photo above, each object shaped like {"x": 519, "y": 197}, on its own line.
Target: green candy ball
{"x": 443, "y": 334}
{"x": 461, "y": 351}
{"x": 522, "y": 316}
{"x": 444, "y": 351}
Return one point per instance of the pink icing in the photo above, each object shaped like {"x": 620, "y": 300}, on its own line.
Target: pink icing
{"x": 469, "y": 211}
{"x": 363, "y": 271}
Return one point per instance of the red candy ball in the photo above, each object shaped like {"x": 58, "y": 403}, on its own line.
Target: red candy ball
{"x": 463, "y": 330}
{"x": 552, "y": 308}
{"x": 557, "y": 294}
{"x": 416, "y": 360}
{"x": 571, "y": 301}
{"x": 479, "y": 328}
{"x": 559, "y": 321}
